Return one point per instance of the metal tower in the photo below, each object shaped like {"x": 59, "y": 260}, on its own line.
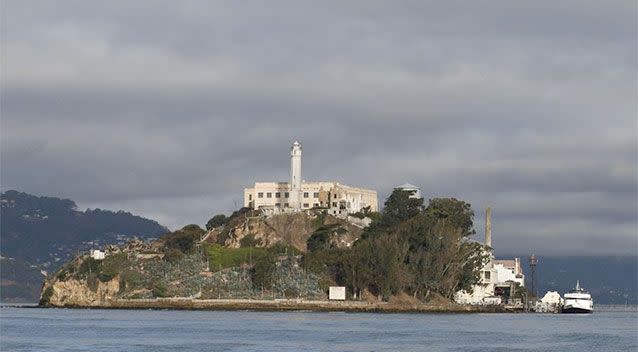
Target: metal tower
{"x": 532, "y": 268}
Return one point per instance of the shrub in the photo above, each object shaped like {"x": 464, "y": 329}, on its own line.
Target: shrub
{"x": 320, "y": 239}
{"x": 223, "y": 236}
{"x": 112, "y": 265}
{"x": 249, "y": 241}
{"x": 159, "y": 289}
{"x": 90, "y": 265}
{"x": 173, "y": 255}
{"x": 216, "y": 221}
{"x": 46, "y": 296}
{"x": 62, "y": 275}
{"x": 262, "y": 271}
{"x": 92, "y": 281}
{"x": 131, "y": 278}
{"x": 184, "y": 239}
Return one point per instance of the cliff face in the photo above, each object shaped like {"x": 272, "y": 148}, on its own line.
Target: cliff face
{"x": 75, "y": 292}
{"x": 291, "y": 229}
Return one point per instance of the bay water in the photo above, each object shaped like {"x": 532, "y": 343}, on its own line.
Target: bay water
{"x": 44, "y": 330}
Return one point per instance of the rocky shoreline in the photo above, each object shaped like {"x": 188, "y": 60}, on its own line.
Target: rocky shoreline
{"x": 283, "y": 305}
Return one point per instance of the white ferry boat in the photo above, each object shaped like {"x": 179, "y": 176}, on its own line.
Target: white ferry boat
{"x": 578, "y": 300}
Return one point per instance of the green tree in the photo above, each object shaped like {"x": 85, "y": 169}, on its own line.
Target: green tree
{"x": 378, "y": 264}
{"x": 457, "y": 213}
{"x": 320, "y": 238}
{"x": 409, "y": 249}
{"x": 183, "y": 240}
{"x": 262, "y": 271}
{"x": 216, "y": 221}
{"x": 440, "y": 257}
{"x": 399, "y": 207}
{"x": 249, "y": 241}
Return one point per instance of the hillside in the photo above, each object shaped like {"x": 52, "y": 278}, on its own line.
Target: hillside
{"x": 20, "y": 281}
{"x": 248, "y": 228}
{"x": 45, "y": 232}
{"x": 250, "y": 256}
{"x": 410, "y": 254}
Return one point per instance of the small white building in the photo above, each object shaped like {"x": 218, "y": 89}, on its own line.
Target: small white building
{"x": 507, "y": 270}
{"x": 416, "y": 191}
{"x": 97, "y": 254}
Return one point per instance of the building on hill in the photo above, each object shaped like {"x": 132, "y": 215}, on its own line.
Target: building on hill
{"x": 298, "y": 194}
{"x": 500, "y": 278}
{"x": 416, "y": 191}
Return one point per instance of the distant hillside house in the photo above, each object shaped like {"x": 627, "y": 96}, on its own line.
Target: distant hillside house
{"x": 298, "y": 195}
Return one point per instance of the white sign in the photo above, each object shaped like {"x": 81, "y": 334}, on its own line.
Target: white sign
{"x": 337, "y": 293}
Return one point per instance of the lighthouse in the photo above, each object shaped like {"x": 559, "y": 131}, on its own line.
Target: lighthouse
{"x": 296, "y": 195}
{"x": 295, "y": 175}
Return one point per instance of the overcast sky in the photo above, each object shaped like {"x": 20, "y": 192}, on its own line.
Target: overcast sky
{"x": 168, "y": 109}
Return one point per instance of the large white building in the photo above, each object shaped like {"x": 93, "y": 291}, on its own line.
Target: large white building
{"x": 499, "y": 277}
{"x": 298, "y": 195}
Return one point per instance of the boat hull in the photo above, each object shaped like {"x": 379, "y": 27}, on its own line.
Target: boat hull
{"x": 575, "y": 310}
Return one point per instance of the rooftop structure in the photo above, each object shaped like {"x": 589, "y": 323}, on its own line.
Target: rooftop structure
{"x": 410, "y": 187}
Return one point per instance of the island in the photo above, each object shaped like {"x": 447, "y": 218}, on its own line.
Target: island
{"x": 410, "y": 257}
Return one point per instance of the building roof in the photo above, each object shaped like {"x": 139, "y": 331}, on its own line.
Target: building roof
{"x": 407, "y": 186}
{"x": 508, "y": 263}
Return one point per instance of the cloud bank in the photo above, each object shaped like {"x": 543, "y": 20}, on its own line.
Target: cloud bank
{"x": 168, "y": 109}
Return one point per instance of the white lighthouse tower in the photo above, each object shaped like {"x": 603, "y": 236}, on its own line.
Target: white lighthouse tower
{"x": 295, "y": 176}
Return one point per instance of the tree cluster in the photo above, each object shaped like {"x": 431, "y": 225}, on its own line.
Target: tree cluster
{"x": 409, "y": 248}
{"x": 181, "y": 242}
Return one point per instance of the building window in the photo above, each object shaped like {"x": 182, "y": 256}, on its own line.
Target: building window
{"x": 334, "y": 204}
{"x": 306, "y": 205}
{"x": 286, "y": 205}
{"x": 315, "y": 195}
{"x": 278, "y": 195}
{"x": 260, "y": 195}
{"x": 286, "y": 195}
{"x": 305, "y": 194}
{"x": 250, "y": 197}
{"x": 336, "y": 196}
{"x": 268, "y": 195}
{"x": 487, "y": 275}
{"x": 278, "y": 205}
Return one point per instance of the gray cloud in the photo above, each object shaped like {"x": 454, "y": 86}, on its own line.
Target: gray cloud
{"x": 168, "y": 109}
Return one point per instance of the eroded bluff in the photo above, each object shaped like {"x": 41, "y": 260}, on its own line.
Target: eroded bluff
{"x": 292, "y": 229}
